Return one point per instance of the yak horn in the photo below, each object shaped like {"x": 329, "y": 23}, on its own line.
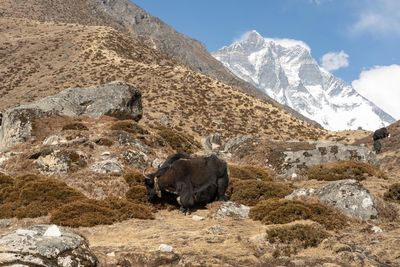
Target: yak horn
{"x": 144, "y": 174}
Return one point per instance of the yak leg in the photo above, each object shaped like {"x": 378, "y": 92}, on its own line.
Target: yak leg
{"x": 222, "y": 183}
{"x": 186, "y": 197}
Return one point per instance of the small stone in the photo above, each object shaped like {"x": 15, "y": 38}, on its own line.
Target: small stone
{"x": 111, "y": 254}
{"x": 5, "y": 223}
{"x": 376, "y": 229}
{"x": 197, "y": 218}
{"x": 294, "y": 175}
{"x": 24, "y": 232}
{"x": 330, "y": 265}
{"x": 298, "y": 262}
{"x": 165, "y": 248}
{"x": 53, "y": 231}
{"x": 107, "y": 153}
{"x": 54, "y": 140}
{"x": 232, "y": 209}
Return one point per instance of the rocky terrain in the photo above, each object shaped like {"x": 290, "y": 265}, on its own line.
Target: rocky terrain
{"x": 86, "y": 108}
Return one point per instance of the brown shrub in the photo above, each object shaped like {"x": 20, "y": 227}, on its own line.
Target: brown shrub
{"x": 291, "y": 238}
{"x": 393, "y": 193}
{"x": 128, "y": 126}
{"x": 104, "y": 142}
{"x": 178, "y": 141}
{"x": 250, "y": 192}
{"x": 249, "y": 173}
{"x": 33, "y": 196}
{"x": 344, "y": 170}
{"x": 137, "y": 193}
{"x": 134, "y": 178}
{"x": 89, "y": 212}
{"x": 275, "y": 211}
{"x": 75, "y": 126}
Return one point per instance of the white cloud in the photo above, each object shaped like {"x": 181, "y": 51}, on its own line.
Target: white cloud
{"x": 335, "y": 60}
{"x": 381, "y": 85}
{"x": 380, "y": 18}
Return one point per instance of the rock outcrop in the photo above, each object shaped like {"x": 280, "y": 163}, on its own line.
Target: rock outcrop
{"x": 349, "y": 196}
{"x": 116, "y": 99}
{"x": 319, "y": 152}
{"x": 43, "y": 245}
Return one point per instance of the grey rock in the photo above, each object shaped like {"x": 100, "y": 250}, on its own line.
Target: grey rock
{"x": 212, "y": 142}
{"x": 115, "y": 99}
{"x": 54, "y": 140}
{"x": 4, "y": 223}
{"x": 112, "y": 166}
{"x": 349, "y": 196}
{"x": 232, "y": 144}
{"x": 233, "y": 210}
{"x": 135, "y": 158}
{"x": 60, "y": 161}
{"x": 323, "y": 152}
{"x": 29, "y": 247}
{"x": 165, "y": 248}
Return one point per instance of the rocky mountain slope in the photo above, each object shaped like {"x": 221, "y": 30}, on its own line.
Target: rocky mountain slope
{"x": 286, "y": 71}
{"x": 127, "y": 17}
{"x": 74, "y": 144}
{"x": 40, "y": 59}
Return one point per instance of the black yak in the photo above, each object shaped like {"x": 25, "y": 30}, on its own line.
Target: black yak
{"x": 378, "y": 135}
{"x": 196, "y": 181}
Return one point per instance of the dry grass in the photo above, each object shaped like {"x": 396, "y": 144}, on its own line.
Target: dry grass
{"x": 393, "y": 193}
{"x": 291, "y": 238}
{"x": 179, "y": 142}
{"x": 275, "y": 211}
{"x": 33, "y": 196}
{"x": 250, "y": 192}
{"x": 137, "y": 194}
{"x": 77, "y": 126}
{"x": 134, "y": 178}
{"x": 34, "y": 55}
{"x": 89, "y": 213}
{"x": 128, "y": 126}
{"x": 247, "y": 172}
{"x": 344, "y": 170}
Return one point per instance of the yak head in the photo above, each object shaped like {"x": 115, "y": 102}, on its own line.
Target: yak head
{"x": 153, "y": 190}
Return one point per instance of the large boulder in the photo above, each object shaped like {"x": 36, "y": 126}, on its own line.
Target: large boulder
{"x": 116, "y": 99}
{"x": 45, "y": 245}
{"x": 294, "y": 160}
{"x": 349, "y": 196}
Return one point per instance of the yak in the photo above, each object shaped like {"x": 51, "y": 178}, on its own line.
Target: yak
{"x": 378, "y": 135}
{"x": 195, "y": 180}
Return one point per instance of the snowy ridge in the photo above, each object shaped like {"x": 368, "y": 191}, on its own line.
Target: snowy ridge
{"x": 285, "y": 70}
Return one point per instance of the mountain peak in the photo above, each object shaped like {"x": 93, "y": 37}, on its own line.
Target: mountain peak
{"x": 285, "y": 70}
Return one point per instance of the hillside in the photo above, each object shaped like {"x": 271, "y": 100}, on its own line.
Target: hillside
{"x": 40, "y": 59}
{"x": 125, "y": 16}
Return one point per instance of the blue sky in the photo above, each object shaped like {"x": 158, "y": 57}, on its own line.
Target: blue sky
{"x": 367, "y": 31}
{"x": 325, "y": 25}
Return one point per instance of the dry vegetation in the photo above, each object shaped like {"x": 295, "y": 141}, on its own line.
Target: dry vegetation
{"x": 250, "y": 192}
{"x": 246, "y": 172}
{"x": 275, "y": 211}
{"x": 344, "y": 170}
{"x": 291, "y": 238}
{"x": 33, "y": 196}
{"x": 39, "y": 59}
{"x": 393, "y": 193}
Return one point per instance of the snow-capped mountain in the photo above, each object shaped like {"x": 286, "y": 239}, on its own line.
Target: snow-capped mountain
{"x": 285, "y": 70}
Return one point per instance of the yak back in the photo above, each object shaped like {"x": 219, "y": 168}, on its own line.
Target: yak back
{"x": 168, "y": 163}
{"x": 380, "y": 134}
{"x": 200, "y": 172}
